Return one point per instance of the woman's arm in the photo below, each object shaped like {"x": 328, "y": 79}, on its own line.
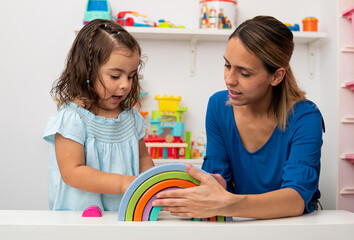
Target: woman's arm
{"x": 211, "y": 199}
{"x": 144, "y": 156}
{"x": 71, "y": 162}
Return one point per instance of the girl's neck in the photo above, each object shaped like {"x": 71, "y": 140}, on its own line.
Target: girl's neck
{"x": 106, "y": 113}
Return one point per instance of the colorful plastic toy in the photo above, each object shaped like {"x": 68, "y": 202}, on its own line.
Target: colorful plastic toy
{"x": 169, "y": 115}
{"x": 199, "y": 145}
{"x": 310, "y": 24}
{"x": 217, "y": 14}
{"x": 92, "y": 211}
{"x": 136, "y": 202}
{"x": 134, "y": 19}
{"x": 165, "y": 24}
{"x": 295, "y": 27}
{"x": 97, "y": 9}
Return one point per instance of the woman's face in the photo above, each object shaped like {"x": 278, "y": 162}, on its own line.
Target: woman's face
{"x": 246, "y": 78}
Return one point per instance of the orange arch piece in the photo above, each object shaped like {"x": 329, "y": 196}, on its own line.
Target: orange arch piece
{"x": 212, "y": 219}
{"x": 138, "y": 212}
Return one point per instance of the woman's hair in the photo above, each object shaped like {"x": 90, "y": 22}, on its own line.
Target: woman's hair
{"x": 272, "y": 42}
{"x": 90, "y": 50}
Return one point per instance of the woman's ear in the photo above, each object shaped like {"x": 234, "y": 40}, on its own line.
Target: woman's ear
{"x": 278, "y": 76}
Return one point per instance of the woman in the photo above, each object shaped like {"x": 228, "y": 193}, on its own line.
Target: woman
{"x": 264, "y": 136}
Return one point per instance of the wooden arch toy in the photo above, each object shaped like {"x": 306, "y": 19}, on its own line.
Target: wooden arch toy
{"x": 136, "y": 204}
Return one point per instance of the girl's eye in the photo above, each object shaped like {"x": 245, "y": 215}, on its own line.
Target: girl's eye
{"x": 114, "y": 77}
{"x": 132, "y": 76}
{"x": 227, "y": 66}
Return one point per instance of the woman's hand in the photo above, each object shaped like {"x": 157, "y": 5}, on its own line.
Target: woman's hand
{"x": 207, "y": 200}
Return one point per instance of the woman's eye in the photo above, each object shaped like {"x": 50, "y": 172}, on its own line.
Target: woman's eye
{"x": 245, "y": 74}
{"x": 227, "y": 66}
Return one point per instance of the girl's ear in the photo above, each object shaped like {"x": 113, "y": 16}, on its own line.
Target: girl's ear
{"x": 278, "y": 76}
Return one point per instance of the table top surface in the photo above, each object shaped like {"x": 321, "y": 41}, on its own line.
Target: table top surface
{"x": 39, "y": 217}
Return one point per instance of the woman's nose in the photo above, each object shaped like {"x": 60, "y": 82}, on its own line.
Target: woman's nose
{"x": 230, "y": 77}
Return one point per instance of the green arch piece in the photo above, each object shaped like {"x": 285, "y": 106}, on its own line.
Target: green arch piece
{"x": 151, "y": 181}
{"x": 154, "y": 213}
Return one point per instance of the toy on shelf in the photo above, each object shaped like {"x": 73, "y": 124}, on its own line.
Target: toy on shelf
{"x": 92, "y": 211}
{"x": 169, "y": 116}
{"x": 136, "y": 203}
{"x": 310, "y": 24}
{"x": 217, "y": 14}
{"x": 198, "y": 147}
{"x": 349, "y": 14}
{"x": 97, "y": 9}
{"x": 143, "y": 94}
{"x": 134, "y": 19}
{"x": 295, "y": 27}
{"x": 165, "y": 24}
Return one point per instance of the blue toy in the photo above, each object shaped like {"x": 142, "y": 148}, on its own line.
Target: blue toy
{"x": 97, "y": 9}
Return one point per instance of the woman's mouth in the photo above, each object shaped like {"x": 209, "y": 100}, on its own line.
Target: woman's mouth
{"x": 234, "y": 94}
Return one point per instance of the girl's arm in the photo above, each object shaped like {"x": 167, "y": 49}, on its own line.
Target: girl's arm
{"x": 71, "y": 162}
{"x": 211, "y": 199}
{"x": 144, "y": 157}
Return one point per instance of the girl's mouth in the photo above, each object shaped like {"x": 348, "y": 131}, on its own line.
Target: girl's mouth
{"x": 117, "y": 98}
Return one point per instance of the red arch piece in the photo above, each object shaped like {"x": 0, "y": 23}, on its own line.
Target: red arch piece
{"x": 139, "y": 208}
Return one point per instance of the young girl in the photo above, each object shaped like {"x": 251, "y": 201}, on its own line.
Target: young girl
{"x": 97, "y": 145}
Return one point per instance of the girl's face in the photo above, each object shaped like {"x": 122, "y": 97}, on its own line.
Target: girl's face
{"x": 117, "y": 78}
{"x": 246, "y": 78}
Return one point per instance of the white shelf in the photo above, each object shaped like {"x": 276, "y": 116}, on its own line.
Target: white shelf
{"x": 347, "y": 49}
{"x": 347, "y": 191}
{"x": 313, "y": 39}
{"x": 219, "y": 35}
{"x": 348, "y": 120}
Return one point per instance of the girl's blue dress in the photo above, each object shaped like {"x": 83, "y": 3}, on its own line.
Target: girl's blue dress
{"x": 111, "y": 145}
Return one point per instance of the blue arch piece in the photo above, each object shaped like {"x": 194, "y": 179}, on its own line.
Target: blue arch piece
{"x": 142, "y": 178}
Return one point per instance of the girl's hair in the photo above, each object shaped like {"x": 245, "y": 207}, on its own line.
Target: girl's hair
{"x": 90, "y": 50}
{"x": 272, "y": 42}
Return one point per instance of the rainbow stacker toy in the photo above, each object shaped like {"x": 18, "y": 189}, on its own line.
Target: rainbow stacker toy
{"x": 137, "y": 200}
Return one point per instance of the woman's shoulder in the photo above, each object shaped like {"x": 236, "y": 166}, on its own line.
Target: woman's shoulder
{"x": 220, "y": 95}
{"x": 306, "y": 112}
{"x": 305, "y": 107}
{"x": 219, "y": 98}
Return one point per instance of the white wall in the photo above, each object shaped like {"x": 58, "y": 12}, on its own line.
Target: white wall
{"x": 36, "y": 36}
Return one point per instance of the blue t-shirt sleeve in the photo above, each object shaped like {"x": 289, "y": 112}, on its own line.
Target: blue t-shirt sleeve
{"x": 302, "y": 169}
{"x": 67, "y": 123}
{"x": 140, "y": 124}
{"x": 216, "y": 159}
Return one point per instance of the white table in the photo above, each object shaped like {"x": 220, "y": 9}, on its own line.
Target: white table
{"x": 320, "y": 225}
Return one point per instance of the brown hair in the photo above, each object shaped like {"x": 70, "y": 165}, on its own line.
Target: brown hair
{"x": 272, "y": 42}
{"x": 90, "y": 50}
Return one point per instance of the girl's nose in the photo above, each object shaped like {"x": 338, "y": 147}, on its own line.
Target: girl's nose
{"x": 124, "y": 83}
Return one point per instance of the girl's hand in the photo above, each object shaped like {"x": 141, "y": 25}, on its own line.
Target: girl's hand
{"x": 207, "y": 200}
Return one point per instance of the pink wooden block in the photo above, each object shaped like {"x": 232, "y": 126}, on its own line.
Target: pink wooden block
{"x": 92, "y": 211}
